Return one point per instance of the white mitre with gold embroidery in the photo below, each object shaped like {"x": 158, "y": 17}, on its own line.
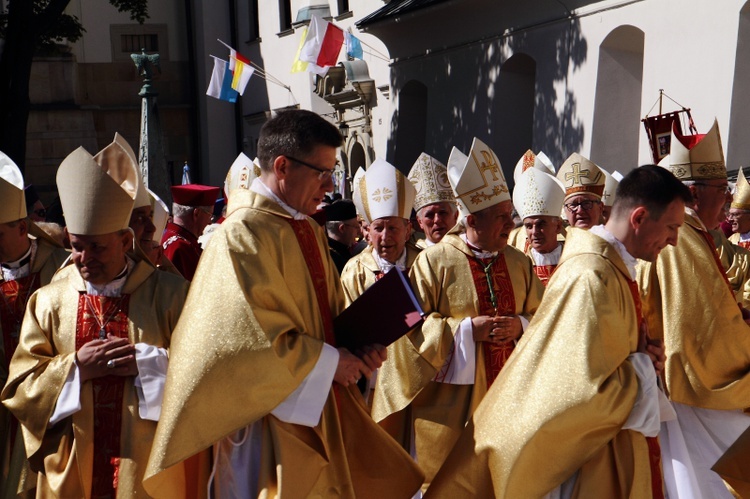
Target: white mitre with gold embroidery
{"x": 241, "y": 174}
{"x": 477, "y": 179}
{"x": 610, "y": 188}
{"x": 580, "y": 175}
{"x": 13, "y": 204}
{"x": 538, "y": 194}
{"x": 111, "y": 155}
{"x": 383, "y": 191}
{"x": 741, "y": 198}
{"x": 160, "y": 216}
{"x": 697, "y": 157}
{"x": 430, "y": 179}
{"x": 97, "y": 198}
{"x": 530, "y": 160}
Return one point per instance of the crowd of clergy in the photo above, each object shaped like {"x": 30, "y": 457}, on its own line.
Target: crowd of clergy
{"x": 583, "y": 334}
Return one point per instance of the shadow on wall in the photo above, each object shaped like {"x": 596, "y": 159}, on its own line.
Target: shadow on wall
{"x": 511, "y": 92}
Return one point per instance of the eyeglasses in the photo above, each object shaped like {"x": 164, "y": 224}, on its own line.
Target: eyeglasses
{"x": 735, "y": 216}
{"x": 725, "y": 188}
{"x": 323, "y": 173}
{"x": 583, "y": 205}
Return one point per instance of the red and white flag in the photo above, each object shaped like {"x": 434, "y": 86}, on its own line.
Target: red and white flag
{"x": 322, "y": 43}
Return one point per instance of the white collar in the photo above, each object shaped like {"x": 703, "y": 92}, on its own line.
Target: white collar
{"x": 12, "y": 271}
{"x": 477, "y": 253}
{"x": 629, "y": 260}
{"x": 745, "y": 236}
{"x": 551, "y": 258}
{"x": 114, "y": 287}
{"x": 386, "y": 266}
{"x": 428, "y": 243}
{"x": 259, "y": 187}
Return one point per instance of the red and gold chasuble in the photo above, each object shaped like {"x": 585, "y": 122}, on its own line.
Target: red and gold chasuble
{"x": 111, "y": 314}
{"x": 654, "y": 449}
{"x": 543, "y": 272}
{"x": 15, "y": 295}
{"x": 495, "y": 356}
{"x": 744, "y": 244}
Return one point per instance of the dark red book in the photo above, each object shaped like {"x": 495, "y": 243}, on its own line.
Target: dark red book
{"x": 385, "y": 312}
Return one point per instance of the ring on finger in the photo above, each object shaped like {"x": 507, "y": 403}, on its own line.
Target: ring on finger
{"x": 111, "y": 363}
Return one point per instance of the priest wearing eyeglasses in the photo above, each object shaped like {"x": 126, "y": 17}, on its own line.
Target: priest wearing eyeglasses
{"x": 584, "y": 187}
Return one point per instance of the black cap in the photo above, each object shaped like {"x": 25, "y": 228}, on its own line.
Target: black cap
{"x": 343, "y": 209}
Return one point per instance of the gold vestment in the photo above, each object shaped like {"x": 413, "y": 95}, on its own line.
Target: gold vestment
{"x": 406, "y": 398}
{"x": 251, "y": 332}
{"x": 559, "y": 403}
{"x": 688, "y": 303}
{"x": 736, "y": 262}
{"x": 63, "y": 453}
{"x": 361, "y": 271}
{"x": 49, "y": 256}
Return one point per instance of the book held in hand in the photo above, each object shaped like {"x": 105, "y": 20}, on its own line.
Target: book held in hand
{"x": 386, "y": 311}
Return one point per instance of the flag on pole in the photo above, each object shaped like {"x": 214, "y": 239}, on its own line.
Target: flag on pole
{"x": 353, "y": 45}
{"x": 241, "y": 70}
{"x": 299, "y": 66}
{"x": 322, "y": 43}
{"x": 220, "y": 86}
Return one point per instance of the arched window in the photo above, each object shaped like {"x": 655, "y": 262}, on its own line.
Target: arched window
{"x": 515, "y": 111}
{"x": 617, "y": 127}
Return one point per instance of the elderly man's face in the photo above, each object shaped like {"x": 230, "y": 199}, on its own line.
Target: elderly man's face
{"x": 542, "y": 231}
{"x": 14, "y": 241}
{"x": 437, "y": 219}
{"x": 740, "y": 220}
{"x": 143, "y": 226}
{"x": 710, "y": 197}
{"x": 491, "y": 227}
{"x": 100, "y": 258}
{"x": 583, "y": 210}
{"x": 388, "y": 235}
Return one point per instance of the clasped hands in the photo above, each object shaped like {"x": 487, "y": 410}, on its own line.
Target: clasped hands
{"x": 352, "y": 367}
{"x": 497, "y": 329}
{"x": 113, "y": 356}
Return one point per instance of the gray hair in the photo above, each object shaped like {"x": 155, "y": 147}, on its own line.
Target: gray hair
{"x": 180, "y": 210}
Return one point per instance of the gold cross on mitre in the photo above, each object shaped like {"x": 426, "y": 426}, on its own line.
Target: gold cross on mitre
{"x": 489, "y": 164}
{"x": 577, "y": 174}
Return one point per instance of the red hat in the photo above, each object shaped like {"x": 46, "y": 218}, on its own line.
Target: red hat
{"x": 195, "y": 194}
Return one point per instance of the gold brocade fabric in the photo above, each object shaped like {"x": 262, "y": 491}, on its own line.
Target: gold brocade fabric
{"x": 736, "y": 262}
{"x": 49, "y": 256}
{"x": 687, "y": 302}
{"x": 559, "y": 403}
{"x": 517, "y": 238}
{"x": 64, "y": 452}
{"x": 361, "y": 272}
{"x": 405, "y": 394}
{"x": 250, "y": 333}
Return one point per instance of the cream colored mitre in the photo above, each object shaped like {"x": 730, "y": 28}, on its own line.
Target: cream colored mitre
{"x": 13, "y": 205}
{"x": 160, "y": 217}
{"x": 241, "y": 174}
{"x": 430, "y": 179}
{"x": 741, "y": 198}
{"x": 383, "y": 191}
{"x": 97, "y": 198}
{"x": 477, "y": 179}
{"x": 530, "y": 160}
{"x": 538, "y": 194}
{"x": 111, "y": 154}
{"x": 697, "y": 157}
{"x": 580, "y": 175}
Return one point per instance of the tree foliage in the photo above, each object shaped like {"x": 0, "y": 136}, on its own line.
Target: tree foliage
{"x": 28, "y": 28}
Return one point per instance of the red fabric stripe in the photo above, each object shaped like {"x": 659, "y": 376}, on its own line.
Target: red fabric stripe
{"x": 495, "y": 356}
{"x": 108, "y": 391}
{"x": 331, "y": 46}
{"x": 241, "y": 57}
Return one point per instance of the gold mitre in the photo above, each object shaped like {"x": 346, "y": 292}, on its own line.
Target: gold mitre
{"x": 697, "y": 157}
{"x": 97, "y": 198}
{"x": 477, "y": 180}
{"x": 430, "y": 179}
{"x": 741, "y": 199}
{"x": 580, "y": 175}
{"x": 610, "y": 188}
{"x": 530, "y": 160}
{"x": 241, "y": 174}
{"x": 112, "y": 154}
{"x": 160, "y": 212}
{"x": 13, "y": 205}
{"x": 538, "y": 194}
{"x": 383, "y": 191}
